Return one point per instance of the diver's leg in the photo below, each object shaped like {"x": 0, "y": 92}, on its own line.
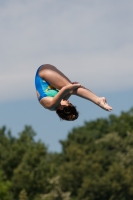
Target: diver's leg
{"x": 53, "y": 76}
{"x": 89, "y": 95}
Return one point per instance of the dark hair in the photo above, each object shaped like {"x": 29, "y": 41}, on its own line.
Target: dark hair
{"x": 68, "y": 113}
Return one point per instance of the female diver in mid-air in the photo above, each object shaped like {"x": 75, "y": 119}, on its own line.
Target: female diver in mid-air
{"x": 53, "y": 89}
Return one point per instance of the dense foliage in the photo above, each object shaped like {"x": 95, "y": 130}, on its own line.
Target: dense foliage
{"x": 96, "y": 163}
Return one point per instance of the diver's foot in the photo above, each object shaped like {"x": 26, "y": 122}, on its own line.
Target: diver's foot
{"x": 103, "y": 104}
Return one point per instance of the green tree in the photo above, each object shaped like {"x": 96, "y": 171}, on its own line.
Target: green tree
{"x": 96, "y": 163}
{"x": 5, "y": 186}
{"x": 26, "y": 162}
{"x": 23, "y": 195}
{"x": 98, "y": 159}
{"x": 13, "y": 150}
{"x": 56, "y": 192}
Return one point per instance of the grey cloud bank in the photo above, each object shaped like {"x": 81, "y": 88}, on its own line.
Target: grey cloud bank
{"x": 91, "y": 42}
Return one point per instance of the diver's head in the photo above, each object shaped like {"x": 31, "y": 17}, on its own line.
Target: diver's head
{"x": 66, "y": 111}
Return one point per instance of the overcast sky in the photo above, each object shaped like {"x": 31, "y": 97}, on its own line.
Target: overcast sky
{"x": 91, "y": 41}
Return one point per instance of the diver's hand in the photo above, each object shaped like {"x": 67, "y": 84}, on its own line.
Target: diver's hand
{"x": 75, "y": 82}
{"x": 73, "y": 86}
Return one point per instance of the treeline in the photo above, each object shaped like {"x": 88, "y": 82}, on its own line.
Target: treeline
{"x": 96, "y": 163}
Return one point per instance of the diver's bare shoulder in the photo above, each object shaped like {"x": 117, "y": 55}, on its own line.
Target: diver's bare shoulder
{"x": 46, "y": 102}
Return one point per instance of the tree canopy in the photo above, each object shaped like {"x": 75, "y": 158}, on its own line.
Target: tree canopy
{"x": 96, "y": 163}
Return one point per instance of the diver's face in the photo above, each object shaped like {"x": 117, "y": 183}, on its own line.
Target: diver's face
{"x": 65, "y": 102}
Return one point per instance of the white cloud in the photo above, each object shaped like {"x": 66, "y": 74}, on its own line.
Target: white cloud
{"x": 89, "y": 41}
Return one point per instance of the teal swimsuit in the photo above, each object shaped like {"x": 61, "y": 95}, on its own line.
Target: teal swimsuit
{"x": 43, "y": 87}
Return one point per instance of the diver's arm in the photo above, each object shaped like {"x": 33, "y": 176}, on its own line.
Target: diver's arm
{"x": 71, "y": 92}
{"x": 52, "y": 102}
{"x": 64, "y": 92}
{"x": 66, "y": 97}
